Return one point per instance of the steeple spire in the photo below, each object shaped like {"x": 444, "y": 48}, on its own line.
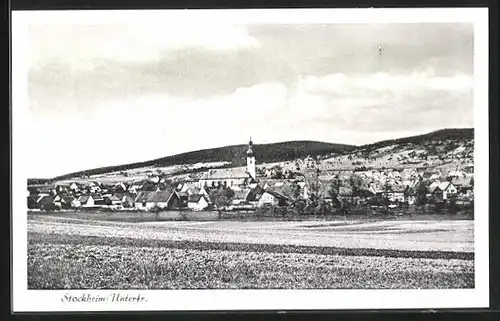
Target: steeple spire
{"x": 250, "y": 145}
{"x": 251, "y": 159}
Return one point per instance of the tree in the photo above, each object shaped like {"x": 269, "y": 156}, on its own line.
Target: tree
{"x": 297, "y": 207}
{"x": 292, "y": 190}
{"x": 334, "y": 189}
{"x": 314, "y": 186}
{"x": 356, "y": 184}
{"x": 156, "y": 209}
{"x": 345, "y": 207}
{"x": 421, "y": 193}
{"x": 221, "y": 197}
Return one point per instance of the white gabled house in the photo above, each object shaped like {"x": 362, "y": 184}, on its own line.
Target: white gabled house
{"x": 197, "y": 202}
{"x": 86, "y": 201}
{"x": 272, "y": 198}
{"x": 444, "y": 191}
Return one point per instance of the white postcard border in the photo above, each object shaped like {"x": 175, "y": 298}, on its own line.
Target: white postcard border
{"x": 25, "y": 300}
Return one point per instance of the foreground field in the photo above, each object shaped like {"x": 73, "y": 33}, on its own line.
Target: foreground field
{"x": 82, "y": 254}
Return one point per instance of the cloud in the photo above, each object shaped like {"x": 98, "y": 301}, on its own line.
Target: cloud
{"x": 80, "y": 45}
{"x": 384, "y": 82}
{"x": 147, "y": 91}
{"x": 152, "y": 126}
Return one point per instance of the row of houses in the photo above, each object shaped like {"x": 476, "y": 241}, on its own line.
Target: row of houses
{"x": 196, "y": 199}
{"x": 190, "y": 195}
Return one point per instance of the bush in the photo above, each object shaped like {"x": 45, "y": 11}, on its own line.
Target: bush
{"x": 453, "y": 208}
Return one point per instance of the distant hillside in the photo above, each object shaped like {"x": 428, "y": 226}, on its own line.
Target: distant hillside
{"x": 439, "y": 135}
{"x": 38, "y": 181}
{"x": 235, "y": 154}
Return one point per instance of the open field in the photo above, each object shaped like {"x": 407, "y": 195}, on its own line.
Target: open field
{"x": 80, "y": 253}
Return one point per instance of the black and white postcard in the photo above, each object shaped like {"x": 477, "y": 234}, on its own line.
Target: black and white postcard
{"x": 250, "y": 159}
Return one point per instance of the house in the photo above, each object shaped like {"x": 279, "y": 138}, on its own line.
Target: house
{"x": 127, "y": 199}
{"x": 113, "y": 200}
{"x": 98, "y": 199}
{"x": 74, "y": 187}
{"x": 444, "y": 191}
{"x": 135, "y": 188}
{"x": 205, "y": 191}
{"x": 255, "y": 195}
{"x": 397, "y": 193}
{"x": 93, "y": 187}
{"x": 178, "y": 199}
{"x": 76, "y": 203}
{"x": 159, "y": 199}
{"x": 433, "y": 186}
{"x": 86, "y": 201}
{"x": 163, "y": 199}
{"x": 273, "y": 198}
{"x": 469, "y": 169}
{"x": 409, "y": 173}
{"x": 455, "y": 173}
{"x": 240, "y": 197}
{"x": 141, "y": 200}
{"x": 63, "y": 202}
{"x": 189, "y": 187}
{"x": 376, "y": 189}
{"x": 46, "y": 203}
{"x": 465, "y": 186}
{"x": 150, "y": 187}
{"x": 120, "y": 188}
{"x": 197, "y": 202}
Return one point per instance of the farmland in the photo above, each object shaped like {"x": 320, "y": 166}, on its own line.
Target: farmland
{"x": 80, "y": 253}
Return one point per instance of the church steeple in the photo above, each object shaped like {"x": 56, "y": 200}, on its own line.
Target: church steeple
{"x": 251, "y": 159}
{"x": 250, "y": 149}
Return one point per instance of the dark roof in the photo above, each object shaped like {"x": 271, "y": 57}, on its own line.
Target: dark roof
{"x": 114, "y": 198}
{"x": 462, "y": 181}
{"x": 182, "y": 194}
{"x": 255, "y": 193}
{"x": 162, "y": 196}
{"x": 155, "y": 197}
{"x": 68, "y": 199}
{"x": 151, "y": 187}
{"x": 32, "y": 189}
{"x": 96, "y": 196}
{"x": 128, "y": 197}
{"x": 83, "y": 199}
{"x": 242, "y": 194}
{"x": 142, "y": 196}
{"x": 195, "y": 198}
{"x": 345, "y": 191}
{"x": 398, "y": 188}
{"x": 46, "y": 200}
{"x": 226, "y": 173}
{"x": 276, "y": 194}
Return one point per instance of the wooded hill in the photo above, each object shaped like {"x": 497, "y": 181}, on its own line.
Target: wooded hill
{"x": 236, "y": 154}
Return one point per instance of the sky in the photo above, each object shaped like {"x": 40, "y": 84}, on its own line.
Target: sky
{"x": 110, "y": 94}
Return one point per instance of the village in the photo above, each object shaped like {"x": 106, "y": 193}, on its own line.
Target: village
{"x": 311, "y": 190}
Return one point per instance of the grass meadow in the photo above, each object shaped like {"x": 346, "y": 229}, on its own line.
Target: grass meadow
{"x": 92, "y": 254}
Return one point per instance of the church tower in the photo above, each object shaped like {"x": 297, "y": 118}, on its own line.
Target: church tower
{"x": 251, "y": 160}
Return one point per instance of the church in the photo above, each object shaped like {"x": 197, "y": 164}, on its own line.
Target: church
{"x": 232, "y": 177}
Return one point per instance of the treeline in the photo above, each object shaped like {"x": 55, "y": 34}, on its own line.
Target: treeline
{"x": 443, "y": 134}
{"x": 235, "y": 154}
